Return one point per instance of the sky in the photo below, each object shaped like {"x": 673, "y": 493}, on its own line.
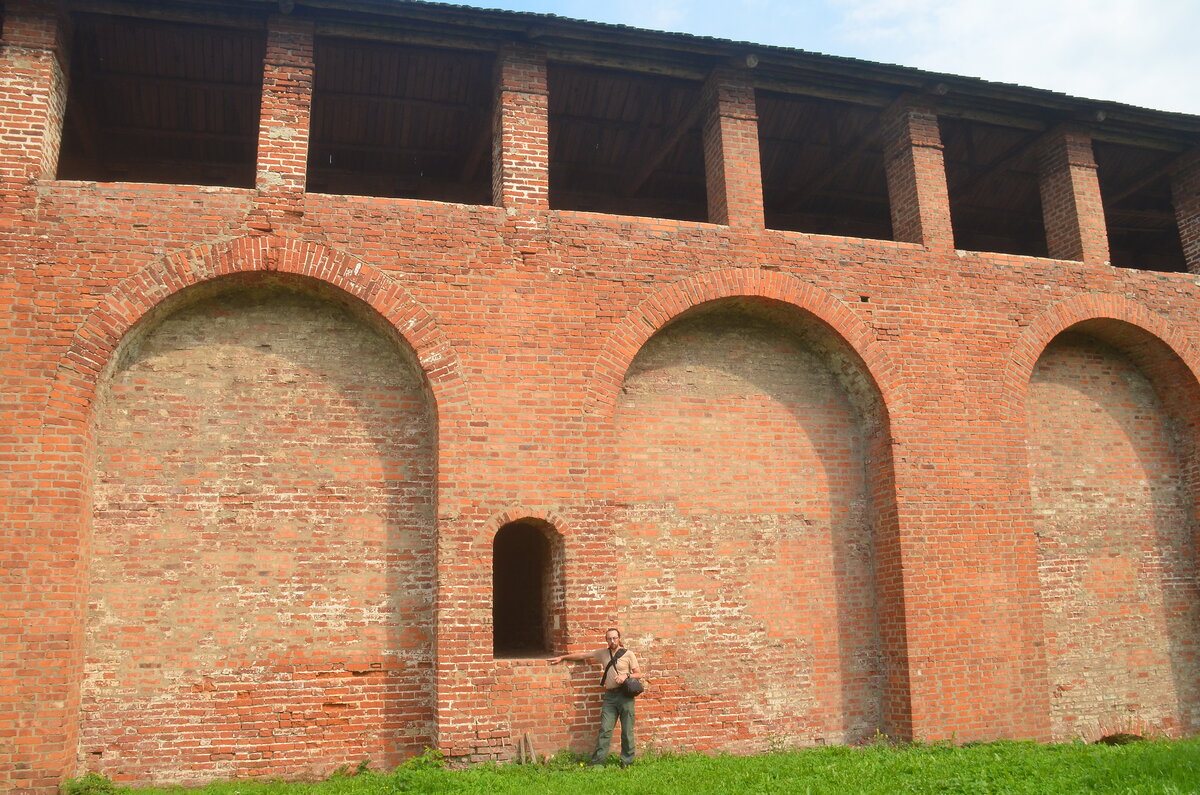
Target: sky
{"x": 1138, "y": 52}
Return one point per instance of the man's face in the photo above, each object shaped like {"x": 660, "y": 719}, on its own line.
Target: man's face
{"x": 613, "y": 640}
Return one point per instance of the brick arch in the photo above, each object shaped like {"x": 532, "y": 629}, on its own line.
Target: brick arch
{"x": 672, "y": 301}
{"x": 124, "y": 315}
{"x": 520, "y": 513}
{"x": 882, "y": 607}
{"x": 1081, "y": 308}
{"x": 134, "y": 297}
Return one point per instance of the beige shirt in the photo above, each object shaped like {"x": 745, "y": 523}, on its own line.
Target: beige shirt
{"x": 623, "y": 666}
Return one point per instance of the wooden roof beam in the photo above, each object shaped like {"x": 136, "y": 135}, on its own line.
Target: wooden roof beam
{"x": 797, "y": 197}
{"x": 386, "y": 99}
{"x": 665, "y": 148}
{"x": 386, "y": 149}
{"x": 197, "y": 135}
{"x": 966, "y": 190}
{"x": 178, "y": 82}
{"x": 1138, "y": 184}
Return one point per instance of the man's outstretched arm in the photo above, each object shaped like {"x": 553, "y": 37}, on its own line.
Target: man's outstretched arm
{"x": 577, "y": 657}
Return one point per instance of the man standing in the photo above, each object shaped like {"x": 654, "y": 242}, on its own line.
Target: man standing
{"x": 619, "y": 664}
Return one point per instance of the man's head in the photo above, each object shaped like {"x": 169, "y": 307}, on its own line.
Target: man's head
{"x": 613, "y": 638}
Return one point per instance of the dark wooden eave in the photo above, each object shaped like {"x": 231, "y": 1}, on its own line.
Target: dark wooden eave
{"x": 692, "y": 57}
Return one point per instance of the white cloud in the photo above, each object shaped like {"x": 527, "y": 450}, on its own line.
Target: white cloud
{"x": 1134, "y": 51}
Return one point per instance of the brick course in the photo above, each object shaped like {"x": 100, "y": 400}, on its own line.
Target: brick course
{"x": 257, "y": 445}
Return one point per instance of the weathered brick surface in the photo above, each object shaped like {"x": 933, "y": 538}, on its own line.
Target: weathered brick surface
{"x": 1072, "y": 208}
{"x": 1116, "y": 547}
{"x": 32, "y": 89}
{"x": 731, "y": 150}
{"x": 916, "y": 174}
{"x": 520, "y": 141}
{"x": 871, "y": 474}
{"x": 290, "y": 450}
{"x": 746, "y": 549}
{"x": 286, "y": 112}
{"x": 1185, "y": 191}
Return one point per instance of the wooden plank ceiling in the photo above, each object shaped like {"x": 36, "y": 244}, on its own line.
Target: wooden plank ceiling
{"x": 160, "y": 101}
{"x": 156, "y": 101}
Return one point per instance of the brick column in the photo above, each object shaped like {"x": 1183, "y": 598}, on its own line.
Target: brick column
{"x": 916, "y": 175}
{"x": 285, "y": 113}
{"x": 41, "y": 577}
{"x": 731, "y": 158}
{"x": 33, "y": 90}
{"x": 1071, "y": 205}
{"x": 521, "y": 130}
{"x": 1185, "y": 193}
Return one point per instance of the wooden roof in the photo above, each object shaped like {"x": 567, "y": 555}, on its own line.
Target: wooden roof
{"x": 168, "y": 91}
{"x": 159, "y": 100}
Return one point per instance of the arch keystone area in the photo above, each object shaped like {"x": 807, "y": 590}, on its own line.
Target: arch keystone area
{"x": 522, "y": 512}
{"x": 649, "y": 317}
{"x": 1092, "y": 306}
{"x": 136, "y": 296}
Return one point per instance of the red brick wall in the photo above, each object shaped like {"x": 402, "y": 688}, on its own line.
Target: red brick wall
{"x": 875, "y": 563}
{"x": 524, "y": 432}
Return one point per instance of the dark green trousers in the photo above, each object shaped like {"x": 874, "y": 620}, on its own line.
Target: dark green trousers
{"x": 617, "y": 706}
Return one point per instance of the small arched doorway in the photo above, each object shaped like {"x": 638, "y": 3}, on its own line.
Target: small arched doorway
{"x": 527, "y": 594}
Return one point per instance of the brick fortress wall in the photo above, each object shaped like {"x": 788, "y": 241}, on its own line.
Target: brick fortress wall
{"x": 258, "y": 443}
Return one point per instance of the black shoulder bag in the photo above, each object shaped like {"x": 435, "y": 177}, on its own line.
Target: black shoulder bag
{"x": 631, "y": 687}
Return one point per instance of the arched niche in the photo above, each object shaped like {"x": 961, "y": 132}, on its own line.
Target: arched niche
{"x": 755, "y": 479}
{"x": 262, "y": 565}
{"x": 1112, "y": 423}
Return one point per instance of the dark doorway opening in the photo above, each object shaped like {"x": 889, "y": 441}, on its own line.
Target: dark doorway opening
{"x": 525, "y": 598}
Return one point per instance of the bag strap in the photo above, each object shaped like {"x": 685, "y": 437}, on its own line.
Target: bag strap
{"x": 612, "y": 661}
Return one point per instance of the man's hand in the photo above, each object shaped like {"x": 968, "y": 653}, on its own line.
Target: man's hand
{"x": 578, "y": 657}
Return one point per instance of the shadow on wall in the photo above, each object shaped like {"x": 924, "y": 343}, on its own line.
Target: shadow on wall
{"x": 262, "y": 569}
{"x": 1112, "y": 431}
{"x": 747, "y": 439}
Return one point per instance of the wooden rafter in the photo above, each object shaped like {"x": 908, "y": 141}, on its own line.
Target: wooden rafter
{"x": 665, "y": 148}
{"x": 796, "y": 198}
{"x": 966, "y": 190}
{"x": 1138, "y": 184}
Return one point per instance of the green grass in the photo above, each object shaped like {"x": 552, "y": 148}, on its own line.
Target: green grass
{"x": 1001, "y": 767}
